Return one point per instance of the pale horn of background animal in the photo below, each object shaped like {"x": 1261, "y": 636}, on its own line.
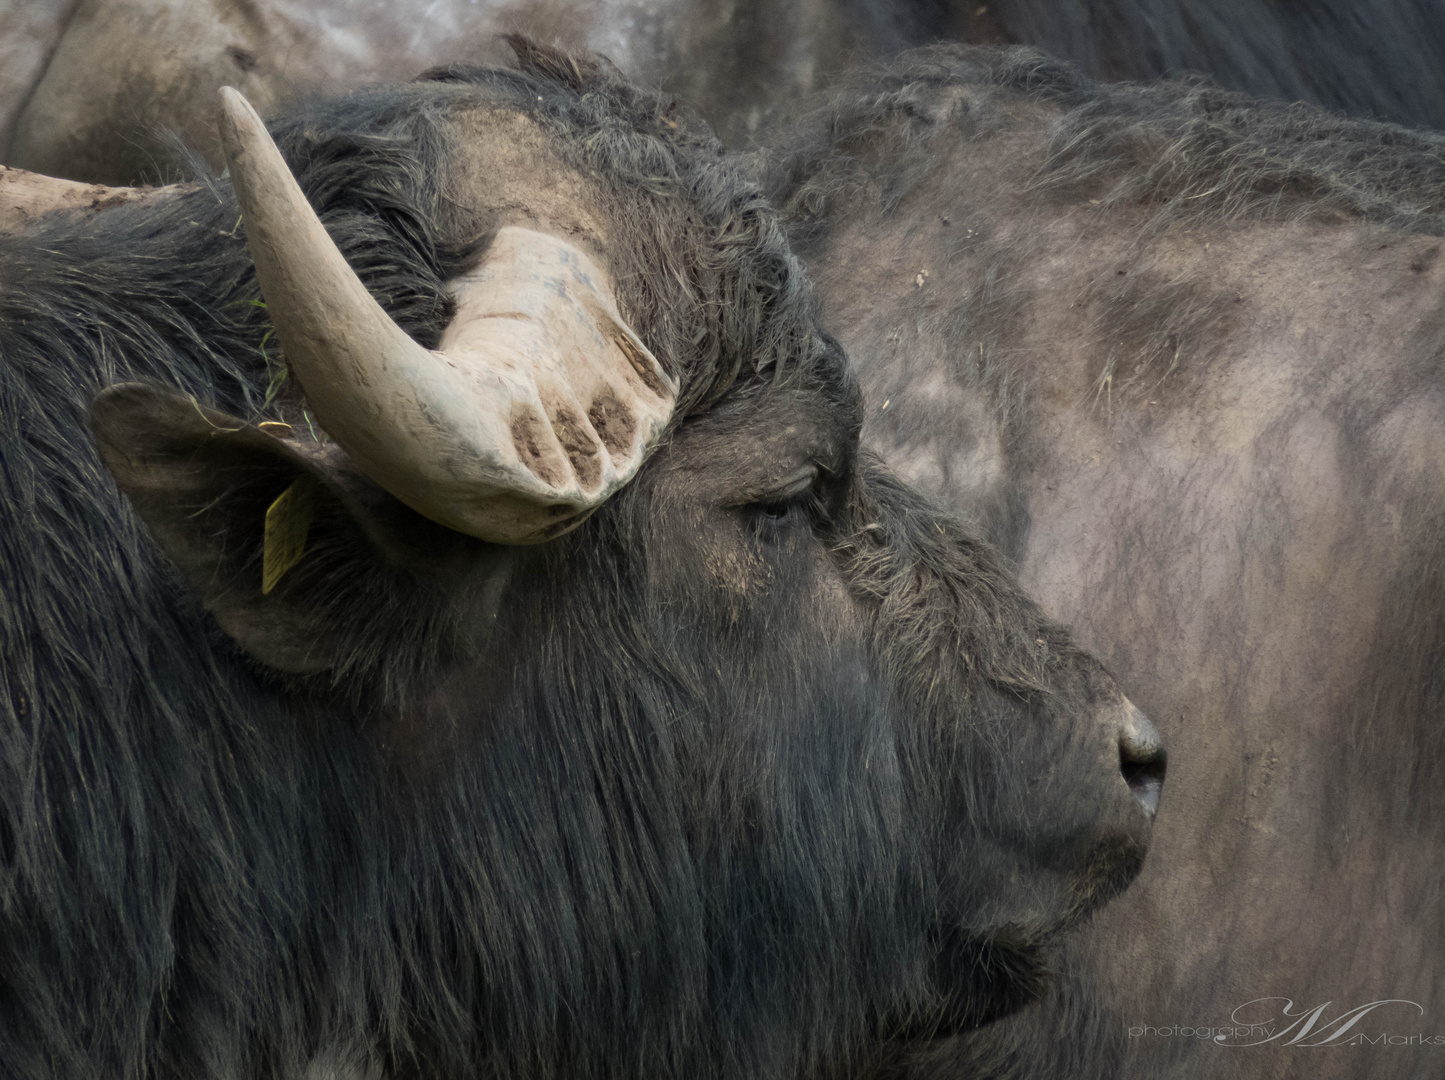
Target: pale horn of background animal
{"x": 26, "y": 195}
{"x": 539, "y": 404}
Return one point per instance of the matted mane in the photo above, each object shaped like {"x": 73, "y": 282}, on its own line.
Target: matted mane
{"x": 1187, "y": 147}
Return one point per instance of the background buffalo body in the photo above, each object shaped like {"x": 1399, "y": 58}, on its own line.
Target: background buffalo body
{"x": 765, "y": 762}
{"x": 1372, "y": 58}
{"x": 1177, "y": 353}
{"x": 99, "y": 90}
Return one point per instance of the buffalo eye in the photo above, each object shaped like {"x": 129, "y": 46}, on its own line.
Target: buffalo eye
{"x": 780, "y": 510}
{"x": 777, "y": 514}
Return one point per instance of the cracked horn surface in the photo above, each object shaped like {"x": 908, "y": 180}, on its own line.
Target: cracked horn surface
{"x": 539, "y": 403}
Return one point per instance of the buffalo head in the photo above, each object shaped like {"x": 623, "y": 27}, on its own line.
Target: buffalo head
{"x": 650, "y": 722}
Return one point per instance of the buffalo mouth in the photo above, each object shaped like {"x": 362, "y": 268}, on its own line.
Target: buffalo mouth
{"x": 1110, "y": 868}
{"x": 985, "y": 977}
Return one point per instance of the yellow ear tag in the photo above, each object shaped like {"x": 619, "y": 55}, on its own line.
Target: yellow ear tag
{"x": 288, "y": 520}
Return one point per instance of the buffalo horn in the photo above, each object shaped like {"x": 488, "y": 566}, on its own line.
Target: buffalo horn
{"x": 539, "y": 403}
{"x": 25, "y": 196}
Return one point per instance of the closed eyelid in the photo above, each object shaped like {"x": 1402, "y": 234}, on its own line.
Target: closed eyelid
{"x": 799, "y": 483}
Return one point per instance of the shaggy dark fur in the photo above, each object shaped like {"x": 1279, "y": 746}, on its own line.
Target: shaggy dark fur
{"x": 736, "y": 787}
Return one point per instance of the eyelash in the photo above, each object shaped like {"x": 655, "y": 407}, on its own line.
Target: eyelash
{"x": 771, "y": 517}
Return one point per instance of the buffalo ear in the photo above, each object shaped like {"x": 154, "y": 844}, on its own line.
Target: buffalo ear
{"x": 204, "y": 483}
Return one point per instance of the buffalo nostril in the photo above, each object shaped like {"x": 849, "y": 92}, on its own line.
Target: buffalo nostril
{"x": 1142, "y": 758}
{"x": 1145, "y": 779}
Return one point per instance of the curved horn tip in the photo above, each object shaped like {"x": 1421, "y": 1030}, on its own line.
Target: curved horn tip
{"x": 239, "y": 122}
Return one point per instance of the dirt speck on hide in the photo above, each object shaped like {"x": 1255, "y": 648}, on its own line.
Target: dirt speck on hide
{"x": 614, "y": 423}
{"x": 530, "y": 432}
{"x": 579, "y": 444}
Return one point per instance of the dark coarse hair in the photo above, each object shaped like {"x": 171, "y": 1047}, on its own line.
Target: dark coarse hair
{"x": 187, "y": 851}
{"x": 639, "y": 818}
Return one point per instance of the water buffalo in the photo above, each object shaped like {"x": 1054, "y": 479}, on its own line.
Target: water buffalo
{"x": 94, "y": 90}
{"x": 450, "y": 629}
{"x": 95, "y": 86}
{"x": 1177, "y": 353}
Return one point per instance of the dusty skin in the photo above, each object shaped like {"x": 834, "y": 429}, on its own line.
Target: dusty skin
{"x": 1209, "y": 435}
